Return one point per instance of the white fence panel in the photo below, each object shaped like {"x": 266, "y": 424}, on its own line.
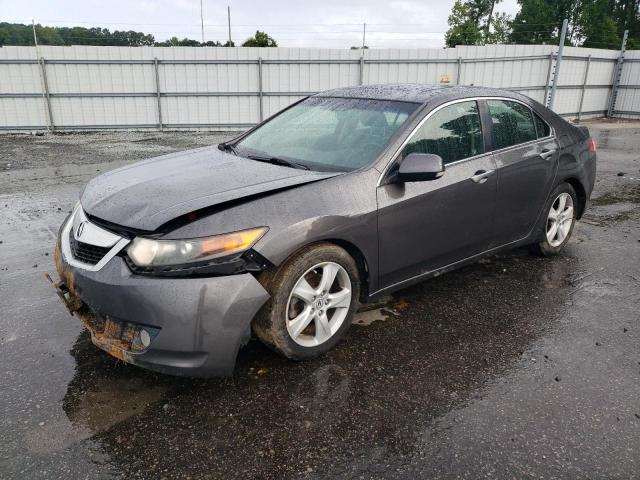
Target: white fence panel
{"x": 231, "y": 88}
{"x": 628, "y": 102}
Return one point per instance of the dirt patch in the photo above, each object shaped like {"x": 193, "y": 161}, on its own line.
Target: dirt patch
{"x": 20, "y": 151}
{"x": 629, "y": 193}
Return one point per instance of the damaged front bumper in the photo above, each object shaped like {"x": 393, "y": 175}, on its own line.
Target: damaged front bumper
{"x": 181, "y": 326}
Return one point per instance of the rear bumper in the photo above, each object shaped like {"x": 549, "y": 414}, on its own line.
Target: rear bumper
{"x": 195, "y": 325}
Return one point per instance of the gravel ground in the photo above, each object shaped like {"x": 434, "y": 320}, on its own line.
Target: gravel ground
{"x": 35, "y": 151}
{"x": 515, "y": 367}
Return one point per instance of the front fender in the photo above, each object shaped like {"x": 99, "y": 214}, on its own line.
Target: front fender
{"x": 342, "y": 208}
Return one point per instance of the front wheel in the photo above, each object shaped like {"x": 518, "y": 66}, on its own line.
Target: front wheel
{"x": 313, "y": 298}
{"x": 558, "y": 221}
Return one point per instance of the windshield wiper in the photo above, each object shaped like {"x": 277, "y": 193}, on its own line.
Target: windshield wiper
{"x": 229, "y": 147}
{"x": 278, "y": 161}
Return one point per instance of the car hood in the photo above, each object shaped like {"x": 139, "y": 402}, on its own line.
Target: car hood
{"x": 147, "y": 194}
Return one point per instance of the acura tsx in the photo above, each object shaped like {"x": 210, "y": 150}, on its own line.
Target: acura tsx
{"x": 172, "y": 263}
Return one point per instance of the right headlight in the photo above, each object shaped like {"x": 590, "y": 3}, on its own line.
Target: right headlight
{"x": 147, "y": 252}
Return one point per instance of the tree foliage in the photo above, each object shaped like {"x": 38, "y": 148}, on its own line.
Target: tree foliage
{"x": 473, "y": 22}
{"x": 20, "y": 34}
{"x": 260, "y": 39}
{"x": 500, "y": 29}
{"x": 592, "y": 23}
{"x": 540, "y": 21}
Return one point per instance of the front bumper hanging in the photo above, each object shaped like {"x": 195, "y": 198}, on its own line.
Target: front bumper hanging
{"x": 180, "y": 326}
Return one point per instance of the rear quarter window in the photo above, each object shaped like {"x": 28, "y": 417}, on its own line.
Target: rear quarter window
{"x": 542, "y": 129}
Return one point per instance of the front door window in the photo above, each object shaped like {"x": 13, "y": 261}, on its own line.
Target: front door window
{"x": 453, "y": 132}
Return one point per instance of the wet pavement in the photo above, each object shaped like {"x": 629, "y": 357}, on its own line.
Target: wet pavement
{"x": 515, "y": 367}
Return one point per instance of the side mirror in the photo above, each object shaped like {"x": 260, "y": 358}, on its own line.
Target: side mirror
{"x": 418, "y": 167}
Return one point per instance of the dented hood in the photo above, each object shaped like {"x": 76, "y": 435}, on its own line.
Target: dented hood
{"x": 147, "y": 194}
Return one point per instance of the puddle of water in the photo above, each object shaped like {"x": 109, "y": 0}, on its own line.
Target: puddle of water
{"x": 364, "y": 319}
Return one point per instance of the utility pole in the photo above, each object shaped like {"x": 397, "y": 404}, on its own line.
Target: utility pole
{"x": 229, "y": 22}
{"x": 488, "y": 25}
{"x": 556, "y": 75}
{"x": 201, "y": 21}
{"x": 364, "y": 34}
{"x": 35, "y": 37}
{"x": 43, "y": 76}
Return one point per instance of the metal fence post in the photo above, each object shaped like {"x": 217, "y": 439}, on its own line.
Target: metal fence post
{"x": 458, "y": 74}
{"x": 584, "y": 87}
{"x": 47, "y": 97}
{"x": 155, "y": 65}
{"x": 556, "y": 75}
{"x": 546, "y": 85}
{"x": 361, "y": 79}
{"x": 617, "y": 74}
{"x": 260, "y": 99}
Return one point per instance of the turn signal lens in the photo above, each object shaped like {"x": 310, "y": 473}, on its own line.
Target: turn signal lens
{"x": 146, "y": 252}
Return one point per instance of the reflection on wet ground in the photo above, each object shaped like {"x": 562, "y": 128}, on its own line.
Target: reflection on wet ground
{"x": 513, "y": 367}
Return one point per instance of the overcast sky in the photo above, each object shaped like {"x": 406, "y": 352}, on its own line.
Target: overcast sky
{"x": 293, "y": 23}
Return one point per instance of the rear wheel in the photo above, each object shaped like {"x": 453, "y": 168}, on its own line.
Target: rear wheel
{"x": 558, "y": 222}
{"x": 313, "y": 298}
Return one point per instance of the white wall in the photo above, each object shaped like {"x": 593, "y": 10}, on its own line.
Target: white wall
{"x": 120, "y": 93}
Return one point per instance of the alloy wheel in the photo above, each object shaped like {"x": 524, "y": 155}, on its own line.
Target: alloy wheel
{"x": 318, "y": 304}
{"x": 560, "y": 219}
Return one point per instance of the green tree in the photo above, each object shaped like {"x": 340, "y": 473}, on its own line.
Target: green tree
{"x": 473, "y": 22}
{"x": 20, "y": 34}
{"x": 177, "y": 42}
{"x": 463, "y": 25}
{"x": 592, "y": 23}
{"x": 260, "y": 39}
{"x": 626, "y": 15}
{"x": 602, "y": 33}
{"x": 500, "y": 29}
{"x": 540, "y": 21}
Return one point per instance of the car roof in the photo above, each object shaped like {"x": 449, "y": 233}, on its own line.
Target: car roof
{"x": 416, "y": 92}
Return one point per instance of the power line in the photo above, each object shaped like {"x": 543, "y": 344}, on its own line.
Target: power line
{"x": 101, "y": 22}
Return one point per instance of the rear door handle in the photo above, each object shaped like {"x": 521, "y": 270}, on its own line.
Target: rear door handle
{"x": 546, "y": 153}
{"x": 481, "y": 175}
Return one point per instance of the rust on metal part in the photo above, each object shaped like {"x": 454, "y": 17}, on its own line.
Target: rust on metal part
{"x": 117, "y": 338}
{"x": 65, "y": 287}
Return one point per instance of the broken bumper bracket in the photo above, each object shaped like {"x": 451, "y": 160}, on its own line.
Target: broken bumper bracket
{"x": 70, "y": 301}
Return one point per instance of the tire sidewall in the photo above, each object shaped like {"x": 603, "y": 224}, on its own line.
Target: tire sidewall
{"x": 271, "y": 320}
{"x": 544, "y": 246}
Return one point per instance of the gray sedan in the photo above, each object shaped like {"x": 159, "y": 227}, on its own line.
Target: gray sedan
{"x": 172, "y": 263}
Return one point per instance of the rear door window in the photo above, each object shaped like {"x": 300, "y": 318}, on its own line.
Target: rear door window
{"x": 453, "y": 132}
{"x": 512, "y": 123}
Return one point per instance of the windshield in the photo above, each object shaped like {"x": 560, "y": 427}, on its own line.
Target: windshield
{"x": 325, "y": 133}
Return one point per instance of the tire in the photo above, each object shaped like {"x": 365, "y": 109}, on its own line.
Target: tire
{"x": 548, "y": 242}
{"x": 274, "y": 324}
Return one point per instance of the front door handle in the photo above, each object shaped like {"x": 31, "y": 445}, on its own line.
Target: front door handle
{"x": 481, "y": 175}
{"x": 546, "y": 153}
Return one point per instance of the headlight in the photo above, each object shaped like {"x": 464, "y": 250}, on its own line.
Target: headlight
{"x": 146, "y": 252}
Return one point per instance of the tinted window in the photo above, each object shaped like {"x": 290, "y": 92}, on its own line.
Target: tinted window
{"x": 453, "y": 132}
{"x": 325, "y": 133}
{"x": 542, "y": 129}
{"x": 512, "y": 123}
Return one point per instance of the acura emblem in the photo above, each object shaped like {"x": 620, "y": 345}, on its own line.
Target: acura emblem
{"x": 80, "y": 229}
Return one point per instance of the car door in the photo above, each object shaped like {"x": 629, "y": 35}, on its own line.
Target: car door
{"x": 526, "y": 157}
{"x": 426, "y": 225}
